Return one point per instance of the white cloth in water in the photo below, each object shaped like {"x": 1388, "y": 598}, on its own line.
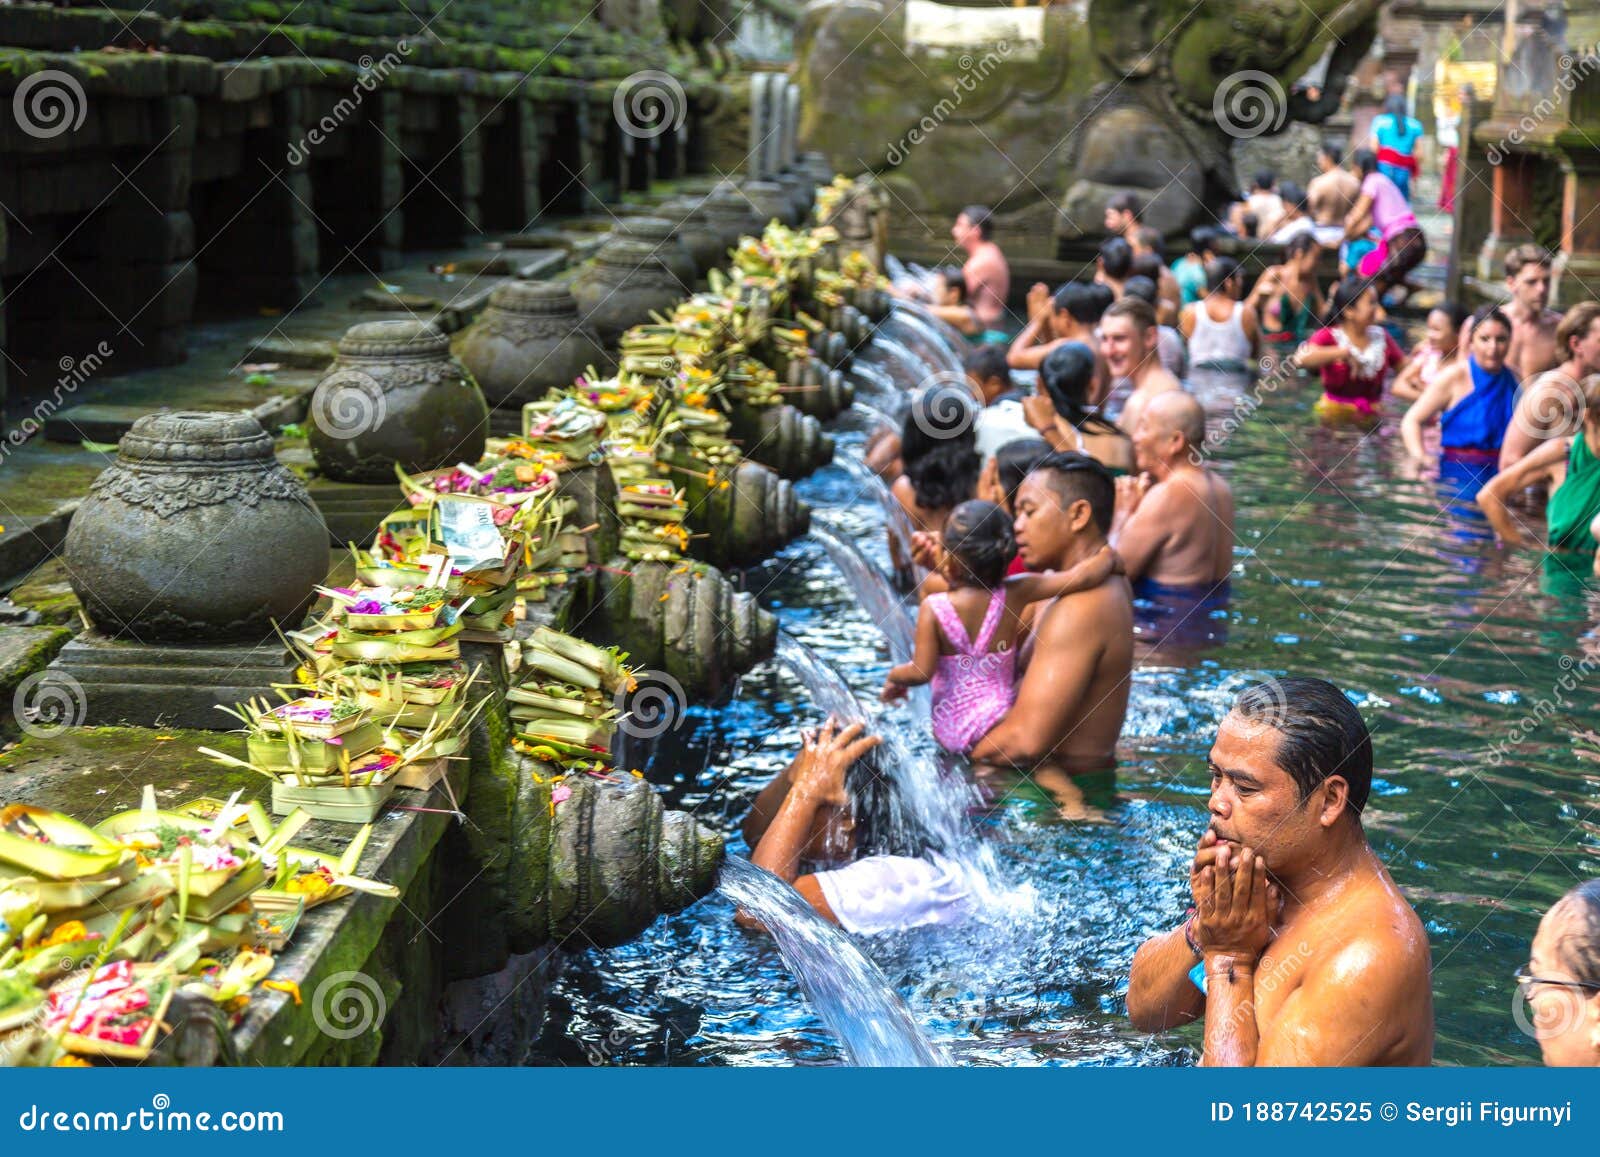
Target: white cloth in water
{"x": 890, "y": 893}
{"x": 1219, "y": 343}
{"x": 1001, "y": 423}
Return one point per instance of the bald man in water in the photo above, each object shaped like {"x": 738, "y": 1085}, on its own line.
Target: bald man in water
{"x": 1174, "y": 522}
{"x": 1300, "y": 949}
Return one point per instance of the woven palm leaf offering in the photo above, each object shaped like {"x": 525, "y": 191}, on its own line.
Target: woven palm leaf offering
{"x": 564, "y": 431}
{"x": 210, "y": 864}
{"x": 563, "y": 709}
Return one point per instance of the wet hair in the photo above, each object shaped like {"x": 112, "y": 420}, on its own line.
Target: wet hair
{"x": 1067, "y": 373}
{"x": 956, "y": 280}
{"x": 1321, "y": 734}
{"x": 1016, "y": 459}
{"x": 1204, "y": 238}
{"x": 1491, "y": 313}
{"x": 1300, "y": 243}
{"x": 1126, "y": 203}
{"x": 1136, "y": 310}
{"x": 884, "y": 826}
{"x": 1264, "y": 179}
{"x": 1293, "y": 193}
{"x": 1365, "y": 160}
{"x": 1456, "y": 312}
{"x": 1083, "y": 300}
{"x": 1333, "y": 151}
{"x": 1073, "y": 476}
{"x": 1150, "y": 237}
{"x": 1220, "y": 271}
{"x": 981, "y": 217}
{"x": 939, "y": 447}
{"x": 1525, "y": 255}
{"x": 1142, "y": 287}
{"x": 988, "y": 361}
{"x": 1576, "y": 324}
{"x": 1147, "y": 265}
{"x": 977, "y": 536}
{"x": 1116, "y": 257}
{"x": 1579, "y": 951}
{"x": 1345, "y": 294}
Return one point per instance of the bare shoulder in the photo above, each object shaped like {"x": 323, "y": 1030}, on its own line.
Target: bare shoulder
{"x": 1379, "y": 942}
{"x": 1101, "y": 611}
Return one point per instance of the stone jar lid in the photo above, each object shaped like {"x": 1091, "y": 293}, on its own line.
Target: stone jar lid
{"x": 632, "y": 252}
{"x": 534, "y": 298}
{"x": 195, "y": 437}
{"x": 647, "y": 228}
{"x": 395, "y": 338}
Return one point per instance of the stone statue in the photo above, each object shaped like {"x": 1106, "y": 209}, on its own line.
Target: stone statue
{"x": 1044, "y": 113}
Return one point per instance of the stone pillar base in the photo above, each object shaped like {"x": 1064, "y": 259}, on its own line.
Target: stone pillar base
{"x": 353, "y": 510}
{"x": 168, "y": 684}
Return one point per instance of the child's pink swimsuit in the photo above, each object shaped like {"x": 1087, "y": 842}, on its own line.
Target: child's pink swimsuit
{"x": 972, "y": 689}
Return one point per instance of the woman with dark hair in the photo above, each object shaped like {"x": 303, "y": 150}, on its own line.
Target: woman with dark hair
{"x": 1382, "y": 206}
{"x": 1562, "y": 979}
{"x": 1395, "y": 134}
{"x": 832, "y": 824}
{"x": 1062, "y": 414}
{"x": 1472, "y": 400}
{"x": 1287, "y": 298}
{"x": 1353, "y": 353}
{"x": 938, "y": 456}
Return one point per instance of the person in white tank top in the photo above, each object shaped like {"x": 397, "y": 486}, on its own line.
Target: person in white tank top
{"x": 1231, "y": 342}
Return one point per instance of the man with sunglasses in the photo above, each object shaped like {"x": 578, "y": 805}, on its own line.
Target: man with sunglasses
{"x": 1299, "y": 950}
{"x": 1562, "y": 980}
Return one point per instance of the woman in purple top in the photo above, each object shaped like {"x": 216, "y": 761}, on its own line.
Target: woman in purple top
{"x": 1382, "y": 206}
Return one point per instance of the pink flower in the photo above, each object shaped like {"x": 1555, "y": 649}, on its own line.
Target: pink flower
{"x": 560, "y": 794}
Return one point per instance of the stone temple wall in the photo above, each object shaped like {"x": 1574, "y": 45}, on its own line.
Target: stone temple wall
{"x": 197, "y": 158}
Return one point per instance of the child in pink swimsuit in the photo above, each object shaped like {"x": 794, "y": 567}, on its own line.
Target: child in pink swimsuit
{"x": 973, "y": 675}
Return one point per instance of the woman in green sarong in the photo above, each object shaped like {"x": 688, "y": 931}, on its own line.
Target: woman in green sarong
{"x": 1570, "y": 467}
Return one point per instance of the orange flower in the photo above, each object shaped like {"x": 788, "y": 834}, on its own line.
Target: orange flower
{"x": 67, "y": 933}
{"x": 68, "y": 1061}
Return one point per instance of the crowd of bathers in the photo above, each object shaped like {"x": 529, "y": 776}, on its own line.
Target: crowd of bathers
{"x": 1064, "y": 514}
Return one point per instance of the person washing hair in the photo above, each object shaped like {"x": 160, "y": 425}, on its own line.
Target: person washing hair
{"x": 874, "y": 867}
{"x": 967, "y": 635}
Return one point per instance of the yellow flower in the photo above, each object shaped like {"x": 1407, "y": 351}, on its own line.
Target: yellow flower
{"x": 287, "y": 986}
{"x": 66, "y": 934}
{"x": 68, "y": 1061}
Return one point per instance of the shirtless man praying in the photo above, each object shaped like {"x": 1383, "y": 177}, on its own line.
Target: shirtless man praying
{"x": 1299, "y": 950}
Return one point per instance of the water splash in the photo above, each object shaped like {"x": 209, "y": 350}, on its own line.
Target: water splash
{"x": 821, "y": 679}
{"x": 873, "y": 590}
{"x": 941, "y": 349}
{"x": 847, "y": 991}
{"x": 894, "y": 515}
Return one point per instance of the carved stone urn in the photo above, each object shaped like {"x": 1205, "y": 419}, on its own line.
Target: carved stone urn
{"x": 196, "y": 534}
{"x": 771, "y": 200}
{"x": 663, "y": 234}
{"x": 395, "y": 396}
{"x": 527, "y": 342}
{"x": 620, "y": 287}
{"x": 731, "y": 215}
{"x": 696, "y": 233}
